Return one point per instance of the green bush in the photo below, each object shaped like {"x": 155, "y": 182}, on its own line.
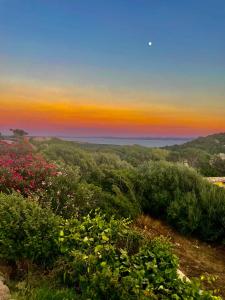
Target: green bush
{"x": 66, "y": 195}
{"x": 120, "y": 181}
{"x": 72, "y": 156}
{"x": 59, "y": 193}
{"x": 68, "y": 192}
{"x": 117, "y": 182}
{"x": 205, "y": 163}
{"x": 27, "y": 232}
{"x": 184, "y": 198}
{"x": 107, "y": 260}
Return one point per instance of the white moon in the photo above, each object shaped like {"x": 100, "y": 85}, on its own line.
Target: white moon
{"x": 149, "y": 43}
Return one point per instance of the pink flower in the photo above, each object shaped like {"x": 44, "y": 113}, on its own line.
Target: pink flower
{"x": 22, "y": 170}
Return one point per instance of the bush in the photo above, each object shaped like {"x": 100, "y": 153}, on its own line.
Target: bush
{"x": 117, "y": 183}
{"x": 104, "y": 181}
{"x": 67, "y": 193}
{"x": 107, "y": 260}
{"x": 27, "y": 232}
{"x": 59, "y": 192}
{"x": 73, "y": 157}
{"x": 21, "y": 170}
{"x": 184, "y": 198}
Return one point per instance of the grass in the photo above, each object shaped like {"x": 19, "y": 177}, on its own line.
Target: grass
{"x": 38, "y": 286}
{"x": 45, "y": 293}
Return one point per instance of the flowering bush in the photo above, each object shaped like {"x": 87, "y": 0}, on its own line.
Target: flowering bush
{"x": 66, "y": 194}
{"x": 22, "y": 170}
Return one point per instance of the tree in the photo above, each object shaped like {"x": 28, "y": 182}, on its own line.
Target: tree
{"x": 18, "y": 133}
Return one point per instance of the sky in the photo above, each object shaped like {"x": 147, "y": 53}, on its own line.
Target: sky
{"x": 84, "y": 67}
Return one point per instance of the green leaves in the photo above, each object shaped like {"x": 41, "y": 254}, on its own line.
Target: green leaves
{"x": 27, "y": 231}
{"x": 182, "y": 197}
{"x": 104, "y": 237}
{"x": 106, "y": 260}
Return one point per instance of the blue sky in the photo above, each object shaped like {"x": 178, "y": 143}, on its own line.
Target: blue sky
{"x": 104, "y": 45}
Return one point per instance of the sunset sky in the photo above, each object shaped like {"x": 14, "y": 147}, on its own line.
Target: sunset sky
{"x": 84, "y": 67}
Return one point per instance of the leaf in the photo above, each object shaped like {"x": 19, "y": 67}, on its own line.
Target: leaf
{"x": 85, "y": 239}
{"x": 103, "y": 264}
{"x": 105, "y": 238}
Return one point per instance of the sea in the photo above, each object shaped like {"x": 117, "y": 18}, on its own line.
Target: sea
{"x": 147, "y": 142}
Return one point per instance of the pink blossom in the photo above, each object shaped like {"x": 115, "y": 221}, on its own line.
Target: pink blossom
{"x": 22, "y": 170}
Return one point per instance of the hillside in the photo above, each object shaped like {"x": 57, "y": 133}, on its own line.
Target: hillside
{"x": 205, "y": 154}
{"x": 213, "y": 144}
{"x": 72, "y": 210}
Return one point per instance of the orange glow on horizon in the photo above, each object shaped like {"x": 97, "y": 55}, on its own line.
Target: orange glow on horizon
{"x": 54, "y": 111}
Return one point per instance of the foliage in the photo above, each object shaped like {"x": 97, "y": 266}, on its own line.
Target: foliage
{"x": 212, "y": 144}
{"x": 195, "y": 158}
{"x": 99, "y": 256}
{"x": 202, "y": 161}
{"x": 44, "y": 293}
{"x": 206, "y": 154}
{"x": 18, "y": 133}
{"x": 59, "y": 192}
{"x": 186, "y": 200}
{"x": 111, "y": 155}
{"x": 27, "y": 232}
{"x": 104, "y": 176}
{"x": 21, "y": 170}
{"x": 66, "y": 195}
{"x": 167, "y": 190}
{"x": 118, "y": 183}
{"x": 107, "y": 260}
{"x": 218, "y": 166}
{"x": 17, "y": 148}
{"x": 73, "y": 157}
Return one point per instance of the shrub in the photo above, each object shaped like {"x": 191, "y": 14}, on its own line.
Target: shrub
{"x": 73, "y": 157}
{"x": 117, "y": 183}
{"x": 27, "y": 232}
{"x": 19, "y": 148}
{"x": 67, "y": 193}
{"x": 21, "y": 170}
{"x": 184, "y": 198}
{"x": 107, "y": 260}
{"x": 59, "y": 192}
{"x": 106, "y": 173}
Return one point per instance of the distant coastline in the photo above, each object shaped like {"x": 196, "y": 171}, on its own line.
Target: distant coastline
{"x": 130, "y": 138}
{"x": 123, "y": 141}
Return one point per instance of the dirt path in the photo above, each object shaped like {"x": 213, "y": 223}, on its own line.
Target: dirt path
{"x": 196, "y": 258}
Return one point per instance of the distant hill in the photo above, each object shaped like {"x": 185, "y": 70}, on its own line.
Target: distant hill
{"x": 212, "y": 144}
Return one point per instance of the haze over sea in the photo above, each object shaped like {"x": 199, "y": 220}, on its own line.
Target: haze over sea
{"x": 147, "y": 142}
